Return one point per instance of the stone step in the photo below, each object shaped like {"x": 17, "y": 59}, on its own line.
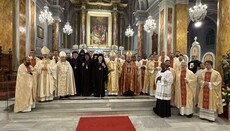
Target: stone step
{"x": 113, "y": 103}
{"x": 80, "y": 106}
{"x": 35, "y": 116}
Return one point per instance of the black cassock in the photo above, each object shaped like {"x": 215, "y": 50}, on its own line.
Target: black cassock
{"x": 86, "y": 81}
{"x": 162, "y": 108}
{"x": 75, "y": 63}
{"x": 99, "y": 79}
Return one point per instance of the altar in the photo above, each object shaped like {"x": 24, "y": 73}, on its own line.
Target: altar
{"x": 96, "y": 26}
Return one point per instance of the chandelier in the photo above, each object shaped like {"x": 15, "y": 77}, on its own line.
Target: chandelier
{"x": 129, "y": 32}
{"x": 67, "y": 29}
{"x": 46, "y": 16}
{"x": 198, "y": 12}
{"x": 150, "y": 24}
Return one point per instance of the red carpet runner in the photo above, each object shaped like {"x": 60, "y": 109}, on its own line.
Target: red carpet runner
{"x": 113, "y": 123}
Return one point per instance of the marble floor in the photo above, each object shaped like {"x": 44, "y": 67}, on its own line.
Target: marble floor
{"x": 145, "y": 122}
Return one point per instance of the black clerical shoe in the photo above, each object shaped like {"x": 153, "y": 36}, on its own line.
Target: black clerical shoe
{"x": 189, "y": 116}
{"x": 180, "y": 114}
{"x": 141, "y": 93}
{"x": 61, "y": 97}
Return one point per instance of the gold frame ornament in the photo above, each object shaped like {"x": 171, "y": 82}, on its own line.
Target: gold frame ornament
{"x": 105, "y": 35}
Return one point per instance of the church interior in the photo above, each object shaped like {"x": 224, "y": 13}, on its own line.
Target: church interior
{"x": 198, "y": 30}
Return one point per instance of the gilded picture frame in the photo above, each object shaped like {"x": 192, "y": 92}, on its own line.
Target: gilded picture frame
{"x": 40, "y": 32}
{"x": 99, "y": 29}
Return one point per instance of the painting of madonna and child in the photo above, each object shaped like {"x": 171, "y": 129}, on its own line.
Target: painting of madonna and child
{"x": 98, "y": 31}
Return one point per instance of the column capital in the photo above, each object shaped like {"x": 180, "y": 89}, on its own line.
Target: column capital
{"x": 57, "y": 12}
{"x": 140, "y": 16}
{"x": 166, "y": 3}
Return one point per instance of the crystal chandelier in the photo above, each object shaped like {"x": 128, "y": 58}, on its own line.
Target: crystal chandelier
{"x": 46, "y": 16}
{"x": 67, "y": 28}
{"x": 129, "y": 32}
{"x": 198, "y": 12}
{"x": 150, "y": 24}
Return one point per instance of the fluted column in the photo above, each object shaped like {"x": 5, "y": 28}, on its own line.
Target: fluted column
{"x": 55, "y": 34}
{"x": 83, "y": 29}
{"x": 115, "y": 31}
{"x": 223, "y": 31}
{"x": 181, "y": 24}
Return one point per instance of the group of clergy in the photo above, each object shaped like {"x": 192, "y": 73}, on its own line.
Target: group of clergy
{"x": 172, "y": 80}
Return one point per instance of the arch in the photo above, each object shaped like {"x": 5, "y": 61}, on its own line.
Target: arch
{"x": 201, "y": 33}
{"x": 209, "y": 56}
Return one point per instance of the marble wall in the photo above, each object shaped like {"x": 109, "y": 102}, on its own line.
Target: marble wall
{"x": 40, "y": 41}
{"x": 22, "y": 30}
{"x": 161, "y": 30}
{"x": 181, "y": 25}
{"x": 6, "y": 22}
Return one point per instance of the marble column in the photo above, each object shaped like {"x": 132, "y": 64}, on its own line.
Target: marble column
{"x": 15, "y": 46}
{"x": 76, "y": 41}
{"x": 223, "y": 31}
{"x": 121, "y": 30}
{"x": 83, "y": 27}
{"x": 22, "y": 30}
{"x": 32, "y": 25}
{"x": 140, "y": 40}
{"x": 55, "y": 34}
{"x": 115, "y": 31}
{"x": 140, "y": 16}
{"x": 166, "y": 29}
{"x": 181, "y": 25}
{"x": 28, "y": 23}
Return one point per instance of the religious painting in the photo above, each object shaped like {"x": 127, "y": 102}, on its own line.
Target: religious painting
{"x": 99, "y": 29}
{"x": 195, "y": 50}
{"x": 208, "y": 57}
{"x": 40, "y": 32}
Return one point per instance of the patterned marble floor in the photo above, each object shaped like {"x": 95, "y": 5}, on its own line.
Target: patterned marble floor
{"x": 141, "y": 123}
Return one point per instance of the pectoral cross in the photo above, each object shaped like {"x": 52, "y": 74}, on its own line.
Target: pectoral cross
{"x": 128, "y": 68}
{"x": 45, "y": 63}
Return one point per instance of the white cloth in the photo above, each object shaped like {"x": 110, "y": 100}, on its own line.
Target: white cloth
{"x": 163, "y": 86}
{"x": 186, "y": 111}
{"x": 65, "y": 79}
{"x": 208, "y": 115}
{"x": 46, "y": 79}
